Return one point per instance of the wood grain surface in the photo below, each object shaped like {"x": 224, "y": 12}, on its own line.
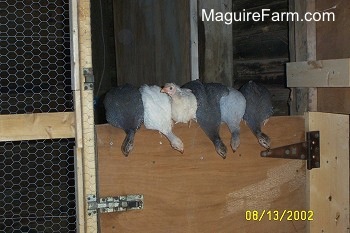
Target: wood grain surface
{"x": 198, "y": 191}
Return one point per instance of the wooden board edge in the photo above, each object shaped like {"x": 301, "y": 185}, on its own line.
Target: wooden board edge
{"x": 322, "y": 73}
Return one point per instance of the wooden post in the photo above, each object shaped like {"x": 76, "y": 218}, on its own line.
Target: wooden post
{"x": 194, "y": 39}
{"x": 328, "y": 186}
{"x": 302, "y": 48}
{"x": 217, "y": 45}
{"x": 85, "y": 164}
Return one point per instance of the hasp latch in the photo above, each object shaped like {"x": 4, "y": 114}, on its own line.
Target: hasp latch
{"x": 89, "y": 78}
{"x": 114, "y": 204}
{"x": 308, "y": 150}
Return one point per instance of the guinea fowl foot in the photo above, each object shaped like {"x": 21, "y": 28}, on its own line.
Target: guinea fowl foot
{"x": 235, "y": 142}
{"x": 128, "y": 143}
{"x": 221, "y": 150}
{"x": 264, "y": 140}
{"x": 126, "y": 149}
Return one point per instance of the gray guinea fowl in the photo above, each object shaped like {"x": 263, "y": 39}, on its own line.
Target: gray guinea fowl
{"x": 232, "y": 109}
{"x": 124, "y": 109}
{"x": 258, "y": 110}
{"x": 208, "y": 113}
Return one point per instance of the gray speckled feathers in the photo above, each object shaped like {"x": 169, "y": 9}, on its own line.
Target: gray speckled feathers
{"x": 232, "y": 109}
{"x": 124, "y": 109}
{"x": 208, "y": 112}
{"x": 258, "y": 109}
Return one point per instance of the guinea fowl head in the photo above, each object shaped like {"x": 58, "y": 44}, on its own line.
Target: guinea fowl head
{"x": 169, "y": 88}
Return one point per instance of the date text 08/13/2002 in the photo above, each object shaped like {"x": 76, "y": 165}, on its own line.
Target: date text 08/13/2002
{"x": 276, "y": 215}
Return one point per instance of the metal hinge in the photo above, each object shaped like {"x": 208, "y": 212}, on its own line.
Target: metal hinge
{"x": 89, "y": 78}
{"x": 308, "y": 150}
{"x": 114, "y": 204}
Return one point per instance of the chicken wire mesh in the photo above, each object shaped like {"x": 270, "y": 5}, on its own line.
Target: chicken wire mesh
{"x": 37, "y": 186}
{"x": 35, "y": 56}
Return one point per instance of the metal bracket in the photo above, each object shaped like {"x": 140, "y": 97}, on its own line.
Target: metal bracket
{"x": 114, "y": 204}
{"x": 89, "y": 78}
{"x": 309, "y": 150}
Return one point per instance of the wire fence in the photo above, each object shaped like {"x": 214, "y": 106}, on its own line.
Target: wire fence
{"x": 37, "y": 186}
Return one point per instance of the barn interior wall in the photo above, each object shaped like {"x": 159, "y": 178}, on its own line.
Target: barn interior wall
{"x": 332, "y": 43}
{"x": 103, "y": 52}
{"x": 149, "y": 42}
{"x": 260, "y": 51}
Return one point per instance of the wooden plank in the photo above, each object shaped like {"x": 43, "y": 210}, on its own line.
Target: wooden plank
{"x": 266, "y": 71}
{"x": 324, "y": 73}
{"x": 334, "y": 100}
{"x": 87, "y": 153}
{"x": 198, "y": 191}
{"x": 194, "y": 39}
{"x": 216, "y": 54}
{"x": 152, "y": 41}
{"x": 328, "y": 186}
{"x": 311, "y": 52}
{"x": 335, "y": 31}
{"x": 302, "y": 49}
{"x": 17, "y": 127}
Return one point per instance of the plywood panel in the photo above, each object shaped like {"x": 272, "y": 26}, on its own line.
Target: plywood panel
{"x": 328, "y": 191}
{"x": 198, "y": 191}
{"x": 37, "y": 126}
{"x": 323, "y": 73}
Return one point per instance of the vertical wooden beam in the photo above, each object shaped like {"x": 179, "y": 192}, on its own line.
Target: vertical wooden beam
{"x": 311, "y": 51}
{"x": 218, "y": 44}
{"x": 85, "y": 167}
{"x": 194, "y": 39}
{"x": 75, "y": 81}
{"x": 302, "y": 48}
{"x": 328, "y": 186}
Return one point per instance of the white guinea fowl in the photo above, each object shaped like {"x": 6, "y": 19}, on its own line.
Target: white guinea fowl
{"x": 157, "y": 114}
{"x": 183, "y": 103}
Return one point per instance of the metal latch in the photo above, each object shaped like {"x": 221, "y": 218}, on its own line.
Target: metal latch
{"x": 114, "y": 204}
{"x": 89, "y": 78}
{"x": 309, "y": 150}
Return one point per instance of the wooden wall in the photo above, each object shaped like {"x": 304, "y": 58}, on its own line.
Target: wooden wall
{"x": 103, "y": 48}
{"x": 215, "y": 44}
{"x": 333, "y": 43}
{"x": 260, "y": 51}
{"x": 152, "y": 41}
{"x": 260, "y": 48}
{"x": 198, "y": 191}
{"x": 152, "y": 45}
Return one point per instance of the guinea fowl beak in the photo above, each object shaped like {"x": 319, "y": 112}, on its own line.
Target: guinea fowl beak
{"x": 164, "y": 90}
